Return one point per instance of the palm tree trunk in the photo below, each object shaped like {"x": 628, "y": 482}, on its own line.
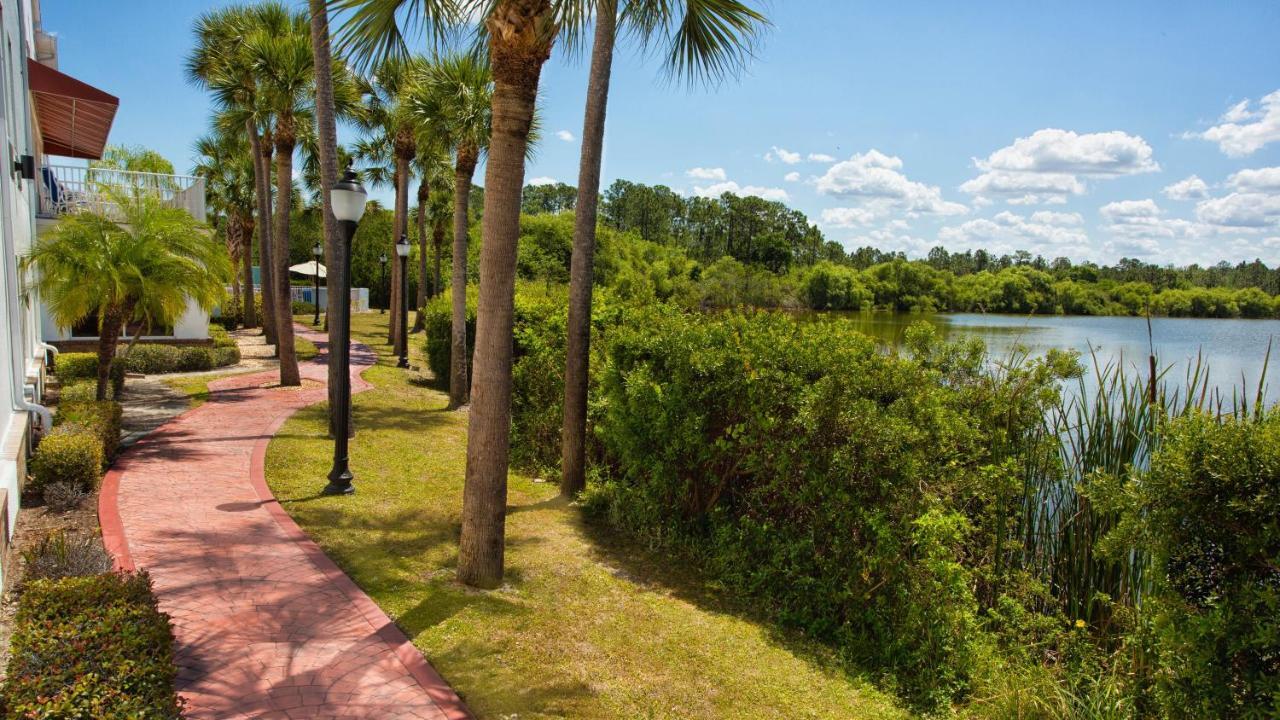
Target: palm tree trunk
{"x": 108, "y": 338}
{"x": 248, "y": 313}
{"x": 459, "y": 390}
{"x": 400, "y": 226}
{"x": 422, "y": 252}
{"x": 437, "y": 245}
{"x": 289, "y": 374}
{"x": 262, "y": 189}
{"x": 234, "y": 232}
{"x": 577, "y": 364}
{"x": 521, "y": 36}
{"x": 327, "y": 145}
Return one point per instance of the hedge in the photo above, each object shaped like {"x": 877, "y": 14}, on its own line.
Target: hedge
{"x": 91, "y": 647}
{"x": 154, "y": 358}
{"x": 100, "y": 418}
{"x": 438, "y": 321}
{"x": 70, "y": 454}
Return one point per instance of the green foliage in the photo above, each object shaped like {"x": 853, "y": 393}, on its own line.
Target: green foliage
{"x": 59, "y": 555}
{"x": 152, "y": 359}
{"x": 77, "y": 391}
{"x": 438, "y": 320}
{"x": 69, "y": 454}
{"x": 827, "y": 286}
{"x": 837, "y": 486}
{"x": 91, "y": 647}
{"x": 1207, "y": 514}
{"x": 76, "y": 366}
{"x": 102, "y": 418}
{"x": 134, "y": 158}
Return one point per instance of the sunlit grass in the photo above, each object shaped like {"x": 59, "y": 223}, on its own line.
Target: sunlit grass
{"x": 585, "y": 627}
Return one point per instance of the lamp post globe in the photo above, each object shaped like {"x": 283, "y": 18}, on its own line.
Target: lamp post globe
{"x": 402, "y": 251}
{"x": 316, "y": 252}
{"x": 347, "y": 198}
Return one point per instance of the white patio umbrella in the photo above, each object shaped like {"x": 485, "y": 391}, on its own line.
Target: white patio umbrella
{"x": 309, "y": 269}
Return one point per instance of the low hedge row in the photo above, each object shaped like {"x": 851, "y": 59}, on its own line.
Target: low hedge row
{"x": 91, "y": 647}
{"x": 84, "y": 439}
{"x": 102, "y": 419}
{"x": 151, "y": 359}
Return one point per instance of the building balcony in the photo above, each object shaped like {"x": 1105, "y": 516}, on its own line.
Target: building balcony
{"x": 68, "y": 189}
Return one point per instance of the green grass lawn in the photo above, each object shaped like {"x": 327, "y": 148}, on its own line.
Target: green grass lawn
{"x": 586, "y": 627}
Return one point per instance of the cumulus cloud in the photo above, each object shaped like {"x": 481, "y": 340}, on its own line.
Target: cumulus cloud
{"x": 702, "y": 173}
{"x": 1245, "y": 129}
{"x": 1129, "y": 210}
{"x": 782, "y": 155}
{"x": 792, "y": 177}
{"x": 846, "y": 217}
{"x": 1050, "y": 165}
{"x": 1192, "y": 188}
{"x": 1048, "y": 217}
{"x": 729, "y": 186}
{"x": 543, "y": 180}
{"x": 1007, "y": 232}
{"x": 1241, "y": 210}
{"x": 565, "y": 135}
{"x": 873, "y": 178}
{"x": 1265, "y": 180}
{"x": 821, "y": 158}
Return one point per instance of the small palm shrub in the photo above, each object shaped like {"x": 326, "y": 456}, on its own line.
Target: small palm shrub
{"x": 70, "y": 454}
{"x": 91, "y": 647}
{"x": 58, "y": 556}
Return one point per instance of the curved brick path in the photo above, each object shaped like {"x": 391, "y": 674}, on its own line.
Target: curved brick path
{"x": 266, "y": 625}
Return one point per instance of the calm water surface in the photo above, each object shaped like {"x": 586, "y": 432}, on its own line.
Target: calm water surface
{"x": 1232, "y": 349}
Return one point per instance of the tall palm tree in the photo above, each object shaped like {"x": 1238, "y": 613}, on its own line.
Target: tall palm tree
{"x": 456, "y": 100}
{"x": 387, "y": 115}
{"x": 285, "y": 70}
{"x": 220, "y": 62}
{"x": 227, "y": 166}
{"x": 431, "y": 165}
{"x": 704, "y": 39}
{"x": 142, "y": 265}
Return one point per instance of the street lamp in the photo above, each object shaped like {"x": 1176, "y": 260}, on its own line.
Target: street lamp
{"x": 347, "y": 198}
{"x": 382, "y": 284}
{"x": 402, "y": 251}
{"x": 316, "y": 252}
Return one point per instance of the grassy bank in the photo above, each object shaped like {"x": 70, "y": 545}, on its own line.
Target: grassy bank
{"x": 585, "y": 627}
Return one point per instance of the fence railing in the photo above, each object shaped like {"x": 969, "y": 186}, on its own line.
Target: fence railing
{"x": 69, "y": 188}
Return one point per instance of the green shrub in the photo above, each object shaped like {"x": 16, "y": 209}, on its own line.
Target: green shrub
{"x": 59, "y": 555}
{"x": 438, "y": 320}
{"x": 70, "y": 366}
{"x": 70, "y": 454}
{"x": 149, "y": 359}
{"x": 303, "y": 308}
{"x": 78, "y": 391}
{"x": 91, "y": 647}
{"x": 853, "y": 494}
{"x": 220, "y": 337}
{"x": 102, "y": 418}
{"x": 224, "y": 356}
{"x": 152, "y": 359}
{"x": 1207, "y": 512}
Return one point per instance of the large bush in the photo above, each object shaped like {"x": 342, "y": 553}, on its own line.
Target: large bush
{"x": 91, "y": 647}
{"x": 101, "y": 418}
{"x": 1207, "y": 512}
{"x": 72, "y": 365}
{"x": 438, "y": 321}
{"x": 854, "y": 494}
{"x": 151, "y": 359}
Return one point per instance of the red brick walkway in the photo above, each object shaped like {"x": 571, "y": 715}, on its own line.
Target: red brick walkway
{"x": 266, "y": 625}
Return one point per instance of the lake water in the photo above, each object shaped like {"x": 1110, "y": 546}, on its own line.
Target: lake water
{"x": 1232, "y": 349}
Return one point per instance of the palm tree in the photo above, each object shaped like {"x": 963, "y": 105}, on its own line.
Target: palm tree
{"x": 431, "y": 165}
{"x": 387, "y": 116}
{"x": 221, "y": 63}
{"x": 456, "y": 100}
{"x": 285, "y": 71}
{"x": 704, "y": 40}
{"x": 227, "y": 166}
{"x": 143, "y": 268}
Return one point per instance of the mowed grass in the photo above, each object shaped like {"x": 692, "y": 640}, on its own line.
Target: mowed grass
{"x": 585, "y": 627}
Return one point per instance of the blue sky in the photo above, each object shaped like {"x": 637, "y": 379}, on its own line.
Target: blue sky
{"x": 1092, "y": 130}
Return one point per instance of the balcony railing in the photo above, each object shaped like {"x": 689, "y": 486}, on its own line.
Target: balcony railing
{"x": 67, "y": 188}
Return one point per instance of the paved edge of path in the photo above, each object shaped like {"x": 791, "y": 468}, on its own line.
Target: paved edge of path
{"x": 117, "y": 545}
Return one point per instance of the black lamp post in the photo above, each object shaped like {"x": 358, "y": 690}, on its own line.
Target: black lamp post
{"x": 316, "y": 252}
{"x": 402, "y": 251}
{"x": 348, "y": 198}
{"x": 382, "y": 284}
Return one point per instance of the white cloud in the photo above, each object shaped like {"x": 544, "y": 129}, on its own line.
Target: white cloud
{"x": 1242, "y": 131}
{"x": 792, "y": 177}
{"x": 1048, "y": 217}
{"x": 1008, "y": 232}
{"x": 541, "y": 181}
{"x": 702, "y": 173}
{"x": 876, "y": 179}
{"x": 782, "y": 155}
{"x": 846, "y": 217}
{"x": 1192, "y": 188}
{"x": 565, "y": 135}
{"x": 821, "y": 158}
{"x": 1265, "y": 180}
{"x": 729, "y": 186}
{"x": 1241, "y": 210}
{"x": 1129, "y": 211}
{"x": 889, "y": 240}
{"x": 1048, "y": 165}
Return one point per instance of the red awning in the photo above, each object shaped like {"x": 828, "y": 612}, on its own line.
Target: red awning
{"x": 74, "y": 117}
